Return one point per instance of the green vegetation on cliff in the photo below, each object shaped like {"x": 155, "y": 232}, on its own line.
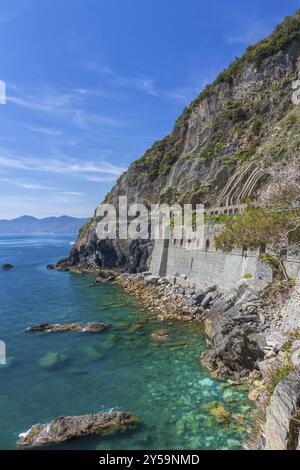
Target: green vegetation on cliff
{"x": 257, "y": 228}
{"x": 235, "y": 117}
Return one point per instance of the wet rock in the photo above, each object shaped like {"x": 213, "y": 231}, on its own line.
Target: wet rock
{"x": 63, "y": 266}
{"x": 105, "y": 277}
{"x": 160, "y": 335}
{"x": 6, "y": 267}
{"x": 65, "y": 428}
{"x": 79, "y": 327}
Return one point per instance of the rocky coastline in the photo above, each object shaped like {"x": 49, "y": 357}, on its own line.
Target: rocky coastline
{"x": 252, "y": 334}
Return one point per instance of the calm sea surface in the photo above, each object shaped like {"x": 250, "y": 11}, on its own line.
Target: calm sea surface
{"x": 48, "y": 375}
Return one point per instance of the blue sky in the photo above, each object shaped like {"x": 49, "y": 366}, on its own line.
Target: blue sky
{"x": 91, "y": 84}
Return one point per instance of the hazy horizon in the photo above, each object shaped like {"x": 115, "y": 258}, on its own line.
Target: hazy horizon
{"x": 41, "y": 218}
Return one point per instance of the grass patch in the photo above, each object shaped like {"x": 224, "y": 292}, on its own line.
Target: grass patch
{"x": 277, "y": 376}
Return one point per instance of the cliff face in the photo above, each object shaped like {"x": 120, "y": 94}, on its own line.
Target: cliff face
{"x": 215, "y": 152}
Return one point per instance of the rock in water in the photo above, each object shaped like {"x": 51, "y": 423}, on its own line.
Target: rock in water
{"x": 6, "y": 267}
{"x": 65, "y": 428}
{"x": 218, "y": 411}
{"x": 80, "y": 327}
{"x": 161, "y": 335}
{"x": 105, "y": 277}
{"x": 51, "y": 359}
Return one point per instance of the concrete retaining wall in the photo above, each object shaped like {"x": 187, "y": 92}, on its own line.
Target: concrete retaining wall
{"x": 206, "y": 268}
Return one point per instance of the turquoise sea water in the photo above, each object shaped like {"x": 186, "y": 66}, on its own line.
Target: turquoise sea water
{"x": 48, "y": 375}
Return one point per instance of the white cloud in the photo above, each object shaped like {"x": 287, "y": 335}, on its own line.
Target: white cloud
{"x": 46, "y": 130}
{"x": 70, "y": 106}
{"x": 139, "y": 83}
{"x": 64, "y": 165}
{"x": 48, "y": 101}
{"x": 72, "y": 193}
{"x": 101, "y": 179}
{"x": 24, "y": 184}
{"x": 83, "y": 119}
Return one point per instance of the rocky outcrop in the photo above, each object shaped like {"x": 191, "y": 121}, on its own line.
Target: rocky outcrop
{"x": 78, "y": 327}
{"x": 236, "y": 339}
{"x": 105, "y": 277}
{"x": 167, "y": 300}
{"x": 65, "y": 428}
{"x": 282, "y": 427}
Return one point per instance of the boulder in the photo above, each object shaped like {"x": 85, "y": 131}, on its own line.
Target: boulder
{"x": 198, "y": 296}
{"x": 65, "y": 428}
{"x": 209, "y": 298}
{"x": 79, "y": 327}
{"x": 105, "y": 277}
{"x": 154, "y": 280}
{"x": 6, "y": 267}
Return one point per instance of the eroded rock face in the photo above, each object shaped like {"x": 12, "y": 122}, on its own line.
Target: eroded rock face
{"x": 236, "y": 340}
{"x": 65, "y": 428}
{"x": 281, "y": 430}
{"x": 79, "y": 327}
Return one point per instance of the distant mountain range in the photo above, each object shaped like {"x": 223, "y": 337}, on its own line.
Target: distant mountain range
{"x": 27, "y": 225}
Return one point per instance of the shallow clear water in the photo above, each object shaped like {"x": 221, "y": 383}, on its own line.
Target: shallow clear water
{"x": 48, "y": 375}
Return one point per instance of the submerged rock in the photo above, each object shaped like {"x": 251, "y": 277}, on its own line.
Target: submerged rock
{"x": 92, "y": 353}
{"x": 135, "y": 328}
{"x": 51, "y": 359}
{"x": 160, "y": 335}
{"x": 218, "y": 411}
{"x": 6, "y": 267}
{"x": 65, "y": 428}
{"x": 79, "y": 327}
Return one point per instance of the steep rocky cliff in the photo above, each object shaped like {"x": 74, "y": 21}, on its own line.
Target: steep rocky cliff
{"x": 215, "y": 152}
